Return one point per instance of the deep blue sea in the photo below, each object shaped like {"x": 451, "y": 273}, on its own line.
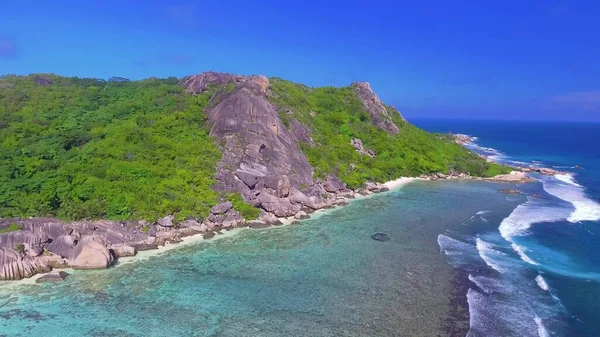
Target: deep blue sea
{"x": 544, "y": 258}
{"x": 462, "y": 259}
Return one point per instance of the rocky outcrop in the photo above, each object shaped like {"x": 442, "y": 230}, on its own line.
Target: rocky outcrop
{"x": 300, "y": 132}
{"x": 373, "y": 105}
{"x": 43, "y": 81}
{"x": 198, "y": 83}
{"x": 301, "y": 215}
{"x": 52, "y": 277}
{"x": 261, "y": 158}
{"x": 513, "y": 177}
{"x": 358, "y": 146}
{"x": 91, "y": 253}
{"x": 16, "y": 266}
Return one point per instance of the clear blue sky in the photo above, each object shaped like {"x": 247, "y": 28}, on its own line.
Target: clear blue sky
{"x": 454, "y": 59}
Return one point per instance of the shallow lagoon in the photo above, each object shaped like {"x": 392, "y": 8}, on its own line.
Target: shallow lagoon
{"x": 324, "y": 277}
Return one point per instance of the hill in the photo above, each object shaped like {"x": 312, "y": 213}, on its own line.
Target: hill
{"x": 86, "y": 148}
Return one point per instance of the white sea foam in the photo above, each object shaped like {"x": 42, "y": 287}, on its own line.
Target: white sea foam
{"x": 528, "y": 213}
{"x": 450, "y": 246}
{"x": 542, "y": 332}
{"x": 567, "y": 178}
{"x": 564, "y": 187}
{"x": 490, "y": 285}
{"x": 521, "y": 251}
{"x": 489, "y": 255}
{"x": 483, "y": 212}
{"x": 489, "y": 316}
{"x": 541, "y": 282}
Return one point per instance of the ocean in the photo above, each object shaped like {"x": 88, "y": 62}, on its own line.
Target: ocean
{"x": 543, "y": 275}
{"x": 462, "y": 259}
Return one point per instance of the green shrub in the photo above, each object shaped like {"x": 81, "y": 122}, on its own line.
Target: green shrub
{"x": 339, "y": 117}
{"x": 248, "y": 211}
{"x": 13, "y": 227}
{"x": 85, "y": 148}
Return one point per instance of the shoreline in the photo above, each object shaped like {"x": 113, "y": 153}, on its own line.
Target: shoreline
{"x": 199, "y": 237}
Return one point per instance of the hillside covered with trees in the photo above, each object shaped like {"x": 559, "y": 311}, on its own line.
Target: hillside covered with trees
{"x": 85, "y": 148}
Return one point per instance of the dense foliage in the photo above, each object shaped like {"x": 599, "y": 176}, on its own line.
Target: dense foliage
{"x": 86, "y": 148}
{"x": 336, "y": 115}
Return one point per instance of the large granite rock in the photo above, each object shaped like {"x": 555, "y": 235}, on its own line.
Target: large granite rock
{"x": 15, "y": 266}
{"x": 258, "y": 150}
{"x": 62, "y": 245}
{"x": 372, "y": 104}
{"x": 221, "y": 208}
{"x": 198, "y": 83}
{"x": 91, "y": 253}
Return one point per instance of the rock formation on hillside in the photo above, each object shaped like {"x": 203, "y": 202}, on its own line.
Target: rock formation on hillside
{"x": 372, "y": 104}
{"x": 262, "y": 161}
{"x": 261, "y": 158}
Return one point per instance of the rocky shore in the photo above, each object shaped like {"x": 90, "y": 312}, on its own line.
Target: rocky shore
{"x": 44, "y": 244}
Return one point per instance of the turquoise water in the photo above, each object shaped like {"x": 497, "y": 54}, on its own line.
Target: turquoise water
{"x": 543, "y": 261}
{"x": 324, "y": 277}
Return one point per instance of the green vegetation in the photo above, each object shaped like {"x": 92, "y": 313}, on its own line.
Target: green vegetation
{"x": 336, "y": 115}
{"x": 246, "y": 210}
{"x": 13, "y": 227}
{"x": 495, "y": 169}
{"x": 20, "y": 248}
{"x": 117, "y": 149}
{"x": 86, "y": 148}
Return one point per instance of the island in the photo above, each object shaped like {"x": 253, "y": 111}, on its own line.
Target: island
{"x": 95, "y": 170}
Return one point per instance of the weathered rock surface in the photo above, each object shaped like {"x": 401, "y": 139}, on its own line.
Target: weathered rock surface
{"x": 221, "y": 208}
{"x": 123, "y": 250}
{"x": 91, "y": 253}
{"x": 15, "y": 266}
{"x": 198, "y": 83}
{"x": 53, "y": 277}
{"x": 257, "y": 224}
{"x": 62, "y": 245}
{"x": 301, "y": 215}
{"x": 379, "y": 114}
{"x": 513, "y": 177}
{"x": 380, "y": 237}
{"x": 358, "y": 146}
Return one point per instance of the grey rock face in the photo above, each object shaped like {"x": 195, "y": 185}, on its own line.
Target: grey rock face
{"x": 13, "y": 239}
{"x": 123, "y": 250}
{"x": 257, "y": 224}
{"x": 260, "y": 155}
{"x": 14, "y": 266}
{"x": 300, "y": 132}
{"x": 53, "y": 277}
{"x": 379, "y": 114}
{"x": 62, "y": 245}
{"x": 199, "y": 83}
{"x": 43, "y": 81}
{"x": 91, "y": 253}
{"x": 221, "y": 208}
{"x": 301, "y": 215}
{"x": 333, "y": 184}
{"x": 269, "y": 219}
{"x": 167, "y": 221}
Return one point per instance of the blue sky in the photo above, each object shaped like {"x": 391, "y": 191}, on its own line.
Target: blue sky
{"x": 452, "y": 59}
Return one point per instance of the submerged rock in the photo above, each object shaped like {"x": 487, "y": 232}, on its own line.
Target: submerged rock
{"x": 53, "y": 277}
{"x": 380, "y": 237}
{"x": 509, "y": 191}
